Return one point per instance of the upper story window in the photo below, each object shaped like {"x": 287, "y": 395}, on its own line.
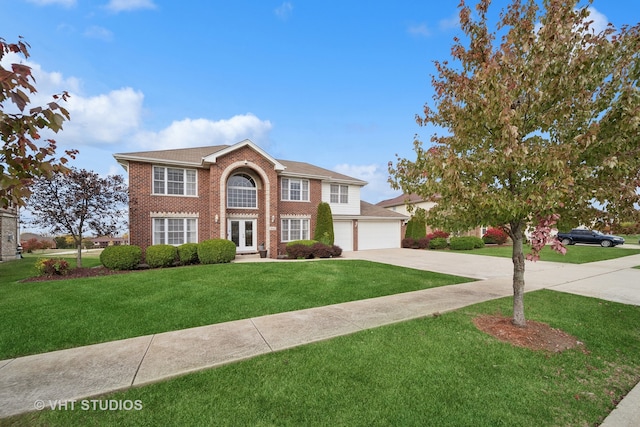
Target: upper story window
{"x": 295, "y": 189}
{"x": 182, "y": 182}
{"x": 242, "y": 192}
{"x": 339, "y": 193}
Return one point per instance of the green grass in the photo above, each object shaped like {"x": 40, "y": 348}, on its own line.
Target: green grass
{"x": 45, "y": 316}
{"x": 576, "y": 254}
{"x": 432, "y": 371}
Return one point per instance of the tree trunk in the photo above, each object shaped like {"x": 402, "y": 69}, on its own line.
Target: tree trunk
{"x": 79, "y": 256}
{"x": 518, "y": 274}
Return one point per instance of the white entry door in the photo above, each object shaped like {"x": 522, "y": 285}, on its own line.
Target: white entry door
{"x": 242, "y": 232}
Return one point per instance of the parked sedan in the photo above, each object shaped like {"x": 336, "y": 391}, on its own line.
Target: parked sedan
{"x": 579, "y": 235}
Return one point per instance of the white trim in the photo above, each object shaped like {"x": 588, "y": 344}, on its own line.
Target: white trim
{"x": 213, "y": 158}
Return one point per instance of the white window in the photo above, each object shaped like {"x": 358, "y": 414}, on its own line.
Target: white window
{"x": 339, "y": 194}
{"x": 175, "y": 231}
{"x": 294, "y": 229}
{"x": 242, "y": 192}
{"x": 182, "y": 182}
{"x": 295, "y": 189}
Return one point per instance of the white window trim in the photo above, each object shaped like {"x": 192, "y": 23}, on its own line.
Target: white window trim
{"x": 295, "y": 218}
{"x": 301, "y": 181}
{"x": 343, "y": 190}
{"x": 165, "y": 218}
{"x": 166, "y": 183}
{"x": 255, "y": 189}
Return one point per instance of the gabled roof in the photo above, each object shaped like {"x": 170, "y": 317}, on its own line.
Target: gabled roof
{"x": 374, "y": 211}
{"x": 201, "y": 156}
{"x": 402, "y": 199}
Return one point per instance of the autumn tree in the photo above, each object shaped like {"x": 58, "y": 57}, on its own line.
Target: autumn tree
{"x": 78, "y": 202}
{"x": 535, "y": 120}
{"x": 24, "y": 153}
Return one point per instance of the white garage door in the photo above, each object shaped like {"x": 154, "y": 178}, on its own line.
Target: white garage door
{"x": 343, "y": 234}
{"x": 378, "y": 234}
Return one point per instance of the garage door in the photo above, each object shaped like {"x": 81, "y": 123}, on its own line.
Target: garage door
{"x": 343, "y": 234}
{"x": 378, "y": 234}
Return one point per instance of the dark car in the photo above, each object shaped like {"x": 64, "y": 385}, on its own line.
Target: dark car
{"x": 579, "y": 235}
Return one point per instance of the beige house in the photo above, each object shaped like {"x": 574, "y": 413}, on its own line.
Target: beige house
{"x": 9, "y": 233}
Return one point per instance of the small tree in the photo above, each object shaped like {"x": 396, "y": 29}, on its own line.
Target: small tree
{"x": 23, "y": 154}
{"x": 324, "y": 225}
{"x": 78, "y": 202}
{"x": 539, "y": 125}
{"x": 417, "y": 225}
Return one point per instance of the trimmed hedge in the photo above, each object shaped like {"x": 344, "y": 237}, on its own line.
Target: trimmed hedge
{"x": 465, "y": 243}
{"x": 495, "y": 236}
{"x": 317, "y": 250}
{"x": 324, "y": 225}
{"x": 216, "y": 251}
{"x": 302, "y": 242}
{"x": 125, "y": 257}
{"x": 410, "y": 242}
{"x": 438, "y": 243}
{"x": 188, "y": 253}
{"x": 158, "y": 256}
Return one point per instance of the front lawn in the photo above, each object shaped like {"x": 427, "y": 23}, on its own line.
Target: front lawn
{"x": 576, "y": 254}
{"x": 430, "y": 371}
{"x": 43, "y": 316}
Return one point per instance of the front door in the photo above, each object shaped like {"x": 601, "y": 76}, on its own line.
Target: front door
{"x": 242, "y": 232}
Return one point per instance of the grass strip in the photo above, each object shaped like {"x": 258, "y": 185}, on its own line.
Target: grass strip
{"x": 575, "y": 254}
{"x": 430, "y": 371}
{"x": 44, "y": 316}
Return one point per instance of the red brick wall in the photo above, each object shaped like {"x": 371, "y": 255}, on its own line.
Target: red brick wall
{"x": 300, "y": 208}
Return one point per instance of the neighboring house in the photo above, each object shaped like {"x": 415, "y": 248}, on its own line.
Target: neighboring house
{"x": 9, "y": 233}
{"x": 399, "y": 204}
{"x": 241, "y": 193}
{"x": 104, "y": 241}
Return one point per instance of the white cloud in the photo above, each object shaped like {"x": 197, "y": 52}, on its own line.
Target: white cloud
{"x": 600, "y": 21}
{"x": 284, "y": 11}
{"x": 420, "y": 30}
{"x": 100, "y": 33}
{"x": 201, "y": 132}
{"x": 106, "y": 118}
{"x": 65, "y": 3}
{"x": 128, "y": 5}
{"x": 377, "y": 176}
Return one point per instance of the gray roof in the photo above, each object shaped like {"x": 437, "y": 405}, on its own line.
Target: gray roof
{"x": 374, "y": 211}
{"x": 194, "y": 157}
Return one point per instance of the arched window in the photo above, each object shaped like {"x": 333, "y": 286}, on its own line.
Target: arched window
{"x": 242, "y": 192}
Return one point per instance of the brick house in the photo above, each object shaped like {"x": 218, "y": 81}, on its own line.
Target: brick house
{"x": 241, "y": 193}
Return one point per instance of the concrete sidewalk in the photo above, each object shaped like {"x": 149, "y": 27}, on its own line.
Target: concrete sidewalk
{"x": 26, "y": 383}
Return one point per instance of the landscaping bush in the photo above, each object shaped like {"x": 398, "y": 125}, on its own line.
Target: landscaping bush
{"x": 299, "y": 251}
{"x": 464, "y": 243}
{"x": 324, "y": 225}
{"x": 423, "y": 243}
{"x": 409, "y": 242}
{"x": 52, "y": 267}
{"x": 477, "y": 242}
{"x": 320, "y": 250}
{"x": 438, "y": 243}
{"x": 438, "y": 234}
{"x": 495, "y": 236}
{"x": 337, "y": 250}
{"x": 161, "y": 256}
{"x": 216, "y": 251}
{"x": 188, "y": 253}
{"x": 302, "y": 242}
{"x": 126, "y": 257}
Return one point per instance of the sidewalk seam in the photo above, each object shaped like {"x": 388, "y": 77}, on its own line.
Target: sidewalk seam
{"x": 261, "y": 336}
{"x": 135, "y": 374}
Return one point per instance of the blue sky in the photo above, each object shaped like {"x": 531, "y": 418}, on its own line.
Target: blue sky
{"x": 332, "y": 83}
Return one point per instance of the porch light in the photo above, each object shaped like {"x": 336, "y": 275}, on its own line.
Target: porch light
{"x": 216, "y": 218}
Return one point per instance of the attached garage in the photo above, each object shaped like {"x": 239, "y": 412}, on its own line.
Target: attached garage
{"x": 377, "y": 234}
{"x": 343, "y": 234}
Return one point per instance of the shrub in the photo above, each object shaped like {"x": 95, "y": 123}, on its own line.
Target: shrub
{"x": 324, "y": 225}
{"x": 438, "y": 243}
{"x": 464, "y": 243}
{"x": 161, "y": 256}
{"x": 438, "y": 234}
{"x": 188, "y": 253}
{"x": 321, "y": 250}
{"x": 302, "y": 242}
{"x": 52, "y": 267}
{"x": 423, "y": 243}
{"x": 495, "y": 236}
{"x": 216, "y": 251}
{"x": 417, "y": 225}
{"x": 299, "y": 251}
{"x": 409, "y": 242}
{"x": 477, "y": 242}
{"x": 337, "y": 250}
{"x": 125, "y": 257}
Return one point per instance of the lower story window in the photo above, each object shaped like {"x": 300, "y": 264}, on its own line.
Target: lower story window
{"x": 175, "y": 231}
{"x": 294, "y": 229}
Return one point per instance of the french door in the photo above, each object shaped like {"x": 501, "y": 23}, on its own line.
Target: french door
{"x": 242, "y": 232}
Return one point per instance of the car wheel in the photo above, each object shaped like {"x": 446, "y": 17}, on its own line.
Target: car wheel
{"x": 605, "y": 243}
{"x": 566, "y": 242}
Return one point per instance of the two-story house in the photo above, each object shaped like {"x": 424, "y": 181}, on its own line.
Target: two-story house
{"x": 241, "y": 193}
